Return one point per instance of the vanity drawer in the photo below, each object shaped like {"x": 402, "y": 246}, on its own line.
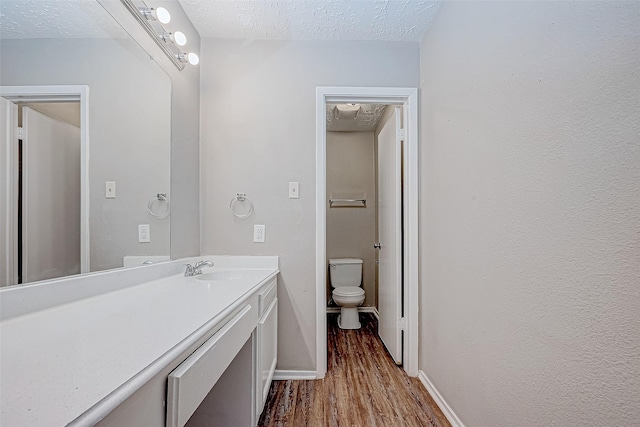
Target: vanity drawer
{"x": 267, "y": 295}
{"x": 192, "y": 380}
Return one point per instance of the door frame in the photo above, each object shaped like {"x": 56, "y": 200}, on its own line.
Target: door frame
{"x": 10, "y": 209}
{"x": 407, "y": 97}
{"x": 50, "y": 94}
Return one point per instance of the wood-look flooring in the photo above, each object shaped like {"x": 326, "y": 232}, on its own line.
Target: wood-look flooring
{"x": 363, "y": 387}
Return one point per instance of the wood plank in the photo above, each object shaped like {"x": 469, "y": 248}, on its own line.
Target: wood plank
{"x": 309, "y": 408}
{"x": 363, "y": 387}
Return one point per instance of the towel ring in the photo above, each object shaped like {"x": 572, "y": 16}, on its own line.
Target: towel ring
{"x": 241, "y": 197}
{"x": 155, "y": 210}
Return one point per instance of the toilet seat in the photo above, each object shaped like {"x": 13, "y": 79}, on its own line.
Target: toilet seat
{"x": 348, "y": 291}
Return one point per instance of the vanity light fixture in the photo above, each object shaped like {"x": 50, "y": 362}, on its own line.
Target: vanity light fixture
{"x": 169, "y": 41}
{"x": 160, "y": 14}
{"x": 178, "y": 38}
{"x": 191, "y": 58}
{"x": 194, "y": 59}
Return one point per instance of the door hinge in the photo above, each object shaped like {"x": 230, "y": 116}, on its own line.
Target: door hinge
{"x": 403, "y": 134}
{"x": 19, "y": 132}
{"x": 402, "y": 323}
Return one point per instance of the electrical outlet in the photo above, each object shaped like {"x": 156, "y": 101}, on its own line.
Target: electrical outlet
{"x": 294, "y": 190}
{"x": 144, "y": 233}
{"x": 258, "y": 233}
{"x": 110, "y": 190}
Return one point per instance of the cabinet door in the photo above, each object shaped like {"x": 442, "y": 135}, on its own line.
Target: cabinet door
{"x": 267, "y": 352}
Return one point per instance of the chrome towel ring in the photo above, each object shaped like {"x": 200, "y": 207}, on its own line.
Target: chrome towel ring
{"x": 241, "y": 198}
{"x": 155, "y": 206}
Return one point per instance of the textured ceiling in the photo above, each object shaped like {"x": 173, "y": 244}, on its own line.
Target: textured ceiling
{"x": 390, "y": 20}
{"x": 366, "y": 120}
{"x": 38, "y": 19}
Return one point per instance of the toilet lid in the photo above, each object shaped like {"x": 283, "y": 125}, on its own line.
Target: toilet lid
{"x": 348, "y": 291}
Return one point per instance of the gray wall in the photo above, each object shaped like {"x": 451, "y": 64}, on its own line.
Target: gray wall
{"x": 530, "y": 212}
{"x": 129, "y": 125}
{"x": 351, "y": 232}
{"x": 258, "y": 133}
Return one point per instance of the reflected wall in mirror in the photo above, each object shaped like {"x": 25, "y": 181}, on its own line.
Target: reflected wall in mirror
{"x": 76, "y": 42}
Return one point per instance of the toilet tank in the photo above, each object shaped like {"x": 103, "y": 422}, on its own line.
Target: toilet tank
{"x": 345, "y": 272}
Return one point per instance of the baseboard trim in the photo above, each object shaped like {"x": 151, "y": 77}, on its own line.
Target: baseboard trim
{"x": 369, "y": 310}
{"x": 282, "y": 374}
{"x": 360, "y": 310}
{"x": 442, "y": 404}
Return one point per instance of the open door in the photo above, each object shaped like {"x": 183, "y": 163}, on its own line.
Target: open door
{"x": 390, "y": 234}
{"x": 51, "y": 197}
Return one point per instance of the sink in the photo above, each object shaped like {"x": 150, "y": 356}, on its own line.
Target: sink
{"x": 222, "y": 275}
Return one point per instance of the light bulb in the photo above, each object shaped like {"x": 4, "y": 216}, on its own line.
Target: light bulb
{"x": 179, "y": 38}
{"x": 193, "y": 58}
{"x": 162, "y": 15}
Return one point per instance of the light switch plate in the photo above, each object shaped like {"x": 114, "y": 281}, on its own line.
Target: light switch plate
{"x": 110, "y": 190}
{"x": 258, "y": 233}
{"x": 294, "y": 190}
{"x": 144, "y": 233}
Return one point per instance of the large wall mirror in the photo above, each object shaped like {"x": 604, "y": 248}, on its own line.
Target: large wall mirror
{"x": 85, "y": 148}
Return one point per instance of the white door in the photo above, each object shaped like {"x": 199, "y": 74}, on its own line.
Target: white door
{"x": 51, "y": 197}
{"x": 390, "y": 235}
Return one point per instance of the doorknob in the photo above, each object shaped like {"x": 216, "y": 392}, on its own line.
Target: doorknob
{"x": 377, "y": 246}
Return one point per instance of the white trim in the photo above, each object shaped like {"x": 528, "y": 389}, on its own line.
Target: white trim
{"x": 411, "y": 233}
{"x": 369, "y": 310}
{"x": 10, "y": 224}
{"x": 321, "y": 236}
{"x": 408, "y": 97}
{"x": 437, "y": 397}
{"x": 373, "y": 310}
{"x": 76, "y": 92}
{"x": 283, "y": 375}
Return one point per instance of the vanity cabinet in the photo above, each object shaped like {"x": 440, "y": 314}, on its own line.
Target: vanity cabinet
{"x": 192, "y": 400}
{"x": 224, "y": 379}
{"x": 154, "y": 348}
{"x": 267, "y": 344}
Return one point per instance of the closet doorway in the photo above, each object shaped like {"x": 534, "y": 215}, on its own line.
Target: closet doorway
{"x": 397, "y": 225}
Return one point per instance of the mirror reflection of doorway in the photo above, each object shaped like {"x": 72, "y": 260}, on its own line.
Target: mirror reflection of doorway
{"x": 46, "y": 190}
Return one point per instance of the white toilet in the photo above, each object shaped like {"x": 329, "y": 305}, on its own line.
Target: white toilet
{"x": 346, "y": 278}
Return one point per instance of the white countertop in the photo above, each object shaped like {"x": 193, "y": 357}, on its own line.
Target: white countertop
{"x": 57, "y": 363}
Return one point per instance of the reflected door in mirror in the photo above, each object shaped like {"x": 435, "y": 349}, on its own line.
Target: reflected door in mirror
{"x": 50, "y": 195}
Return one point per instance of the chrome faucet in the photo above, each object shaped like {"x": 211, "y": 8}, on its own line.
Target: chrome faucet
{"x": 196, "y": 269}
{"x": 199, "y": 265}
{"x": 189, "y": 270}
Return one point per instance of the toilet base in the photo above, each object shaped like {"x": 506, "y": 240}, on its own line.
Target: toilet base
{"x": 348, "y": 318}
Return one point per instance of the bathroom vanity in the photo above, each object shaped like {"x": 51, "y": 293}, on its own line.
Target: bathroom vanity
{"x": 141, "y": 347}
